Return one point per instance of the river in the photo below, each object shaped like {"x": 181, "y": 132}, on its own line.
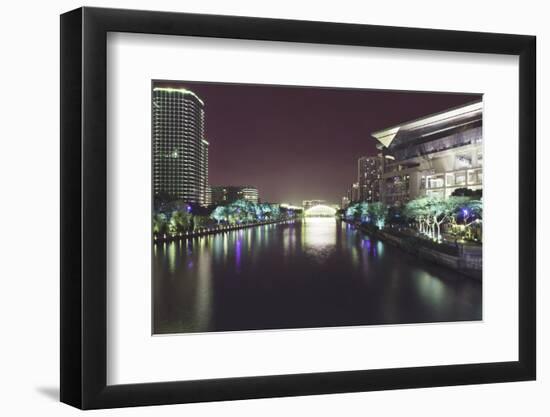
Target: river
{"x": 317, "y": 272}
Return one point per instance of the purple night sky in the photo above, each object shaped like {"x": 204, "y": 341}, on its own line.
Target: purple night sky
{"x": 300, "y": 143}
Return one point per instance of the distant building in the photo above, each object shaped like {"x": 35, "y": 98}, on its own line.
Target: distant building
{"x": 353, "y": 193}
{"x": 225, "y": 194}
{"x": 345, "y": 202}
{"x": 208, "y": 195}
{"x": 432, "y": 156}
{"x": 369, "y": 172}
{"x": 306, "y": 204}
{"x": 251, "y": 194}
{"x": 180, "y": 151}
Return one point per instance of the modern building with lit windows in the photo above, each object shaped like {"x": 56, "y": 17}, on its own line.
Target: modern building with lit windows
{"x": 432, "y": 156}
{"x": 369, "y": 172}
{"x": 225, "y": 194}
{"x": 353, "y": 193}
{"x": 180, "y": 150}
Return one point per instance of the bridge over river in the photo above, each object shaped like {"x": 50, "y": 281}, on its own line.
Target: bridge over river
{"x": 316, "y": 272}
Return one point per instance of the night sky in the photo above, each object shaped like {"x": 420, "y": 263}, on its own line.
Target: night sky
{"x": 299, "y": 143}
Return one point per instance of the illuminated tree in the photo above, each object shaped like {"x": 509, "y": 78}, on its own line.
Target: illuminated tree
{"x": 377, "y": 213}
{"x": 220, "y": 214}
{"x": 160, "y": 223}
{"x": 200, "y": 222}
{"x": 430, "y": 213}
{"x": 471, "y": 213}
{"x": 417, "y": 210}
{"x": 353, "y": 212}
{"x": 443, "y": 210}
{"x": 275, "y": 211}
{"x": 180, "y": 222}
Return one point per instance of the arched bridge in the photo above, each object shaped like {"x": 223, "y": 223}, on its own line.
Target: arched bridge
{"x": 320, "y": 210}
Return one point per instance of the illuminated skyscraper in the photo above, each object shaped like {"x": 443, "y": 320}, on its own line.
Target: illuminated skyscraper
{"x": 369, "y": 170}
{"x": 180, "y": 151}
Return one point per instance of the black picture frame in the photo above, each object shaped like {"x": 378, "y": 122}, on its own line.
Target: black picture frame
{"x": 84, "y": 207}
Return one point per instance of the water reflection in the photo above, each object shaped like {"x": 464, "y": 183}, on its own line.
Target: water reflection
{"x": 320, "y": 232}
{"x": 315, "y": 273}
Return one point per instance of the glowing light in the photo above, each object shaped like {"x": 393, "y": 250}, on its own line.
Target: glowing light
{"x": 180, "y": 91}
{"x": 320, "y": 210}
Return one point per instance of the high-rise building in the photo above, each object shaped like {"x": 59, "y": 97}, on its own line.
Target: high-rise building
{"x": 345, "y": 202}
{"x": 180, "y": 151}
{"x": 369, "y": 172}
{"x": 208, "y": 195}
{"x": 225, "y": 194}
{"x": 432, "y": 156}
{"x": 203, "y": 180}
{"x": 353, "y": 193}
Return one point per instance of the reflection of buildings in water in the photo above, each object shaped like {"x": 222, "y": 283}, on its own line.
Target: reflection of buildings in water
{"x": 319, "y": 235}
{"x": 430, "y": 288}
{"x": 171, "y": 252}
{"x": 238, "y": 250}
{"x": 289, "y": 240}
{"x": 204, "y": 290}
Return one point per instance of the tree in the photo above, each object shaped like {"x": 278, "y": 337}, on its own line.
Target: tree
{"x": 467, "y": 192}
{"x": 200, "y": 221}
{"x": 180, "y": 221}
{"x": 430, "y": 213}
{"x": 220, "y": 214}
{"x": 471, "y": 212}
{"x": 396, "y": 216}
{"x": 417, "y": 211}
{"x": 474, "y": 209}
{"x": 275, "y": 211}
{"x": 160, "y": 223}
{"x": 378, "y": 213}
{"x": 264, "y": 211}
{"x": 442, "y": 210}
{"x": 364, "y": 212}
{"x": 353, "y": 212}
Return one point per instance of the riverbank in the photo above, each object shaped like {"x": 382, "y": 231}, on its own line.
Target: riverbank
{"x": 465, "y": 259}
{"x": 169, "y": 237}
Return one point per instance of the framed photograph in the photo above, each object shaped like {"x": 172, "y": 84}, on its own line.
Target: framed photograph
{"x": 257, "y": 208}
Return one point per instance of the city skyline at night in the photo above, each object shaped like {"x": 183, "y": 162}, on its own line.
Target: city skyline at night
{"x": 298, "y": 143}
{"x": 250, "y": 228}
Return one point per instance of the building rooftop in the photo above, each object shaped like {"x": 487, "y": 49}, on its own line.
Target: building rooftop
{"x": 179, "y": 90}
{"x": 431, "y": 126}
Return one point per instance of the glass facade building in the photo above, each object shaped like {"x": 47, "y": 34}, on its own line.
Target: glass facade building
{"x": 180, "y": 150}
{"x": 433, "y": 156}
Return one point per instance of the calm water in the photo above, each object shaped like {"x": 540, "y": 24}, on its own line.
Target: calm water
{"x": 315, "y": 273}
